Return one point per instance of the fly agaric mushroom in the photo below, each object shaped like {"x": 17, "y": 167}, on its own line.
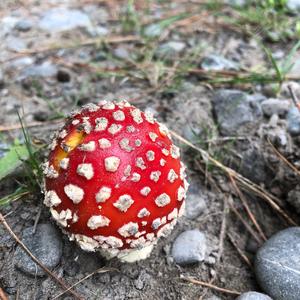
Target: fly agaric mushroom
{"x": 114, "y": 181}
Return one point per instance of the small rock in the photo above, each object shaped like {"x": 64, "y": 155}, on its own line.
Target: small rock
{"x": 15, "y": 44}
{"x": 293, "y": 198}
{"x": 216, "y": 62}
{"x": 45, "y": 244}
{"x": 236, "y": 2}
{"x": 24, "y": 25}
{"x": 275, "y": 107}
{"x": 236, "y": 111}
{"x": 61, "y": 19}
{"x": 46, "y": 69}
{"x": 253, "y": 296}
{"x": 293, "y": 119}
{"x": 189, "y": 247}
{"x": 293, "y": 4}
{"x": 121, "y": 53}
{"x": 277, "y": 265}
{"x": 195, "y": 206}
{"x": 63, "y": 76}
{"x": 170, "y": 49}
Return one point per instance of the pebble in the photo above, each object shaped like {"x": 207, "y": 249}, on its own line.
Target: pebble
{"x": 46, "y": 69}
{"x": 189, "y": 247}
{"x": 293, "y": 4}
{"x": 195, "y": 206}
{"x": 61, "y": 19}
{"x": 15, "y": 44}
{"x": 293, "y": 120}
{"x": 277, "y": 265}
{"x": 253, "y": 296}
{"x": 169, "y": 49}
{"x": 236, "y": 110}
{"x": 275, "y": 107}
{"x": 216, "y": 62}
{"x": 45, "y": 244}
{"x": 121, "y": 53}
{"x": 24, "y": 25}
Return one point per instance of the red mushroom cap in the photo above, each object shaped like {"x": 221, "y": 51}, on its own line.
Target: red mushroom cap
{"x": 114, "y": 180}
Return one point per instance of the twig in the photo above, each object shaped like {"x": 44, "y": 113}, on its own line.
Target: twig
{"x": 247, "y": 208}
{"x": 211, "y": 286}
{"x": 222, "y": 232}
{"x": 240, "y": 252}
{"x": 2, "y": 295}
{"x": 16, "y": 238}
{"x": 244, "y": 182}
{"x": 294, "y": 97}
{"x": 32, "y": 124}
{"x": 100, "y": 270}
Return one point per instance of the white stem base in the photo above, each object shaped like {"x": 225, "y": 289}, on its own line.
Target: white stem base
{"x": 136, "y": 255}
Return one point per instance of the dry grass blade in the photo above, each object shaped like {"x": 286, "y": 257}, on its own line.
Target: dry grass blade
{"x": 247, "y": 208}
{"x": 283, "y": 158}
{"x": 211, "y": 286}
{"x": 58, "y": 280}
{"x": 32, "y": 124}
{"x": 244, "y": 182}
{"x": 100, "y": 270}
{"x": 240, "y": 252}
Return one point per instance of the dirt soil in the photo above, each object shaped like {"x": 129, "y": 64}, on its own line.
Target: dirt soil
{"x": 91, "y": 70}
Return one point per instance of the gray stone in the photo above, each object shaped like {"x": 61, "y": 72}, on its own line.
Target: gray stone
{"x": 24, "y": 25}
{"x": 293, "y": 4}
{"x": 189, "y": 247}
{"x": 153, "y": 30}
{"x": 253, "y": 296}
{"x": 15, "y": 44}
{"x": 46, "y": 69}
{"x": 293, "y": 119}
{"x": 277, "y": 265}
{"x": 45, "y": 244}
{"x": 216, "y": 62}
{"x": 195, "y": 206}
{"x": 61, "y": 19}
{"x": 293, "y": 198}
{"x": 170, "y": 49}
{"x": 121, "y": 52}
{"x": 275, "y": 107}
{"x": 236, "y": 111}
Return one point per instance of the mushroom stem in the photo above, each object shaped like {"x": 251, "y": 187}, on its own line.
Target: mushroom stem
{"x": 136, "y": 255}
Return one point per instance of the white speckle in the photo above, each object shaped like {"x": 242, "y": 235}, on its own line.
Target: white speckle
{"x": 62, "y": 217}
{"x": 49, "y": 170}
{"x": 163, "y": 130}
{"x": 153, "y": 136}
{"x": 127, "y": 171}
{"x": 74, "y": 192}
{"x": 136, "y": 115}
{"x": 144, "y": 212}
{"x": 110, "y": 241}
{"x": 95, "y": 222}
{"x": 118, "y": 115}
{"x": 86, "y": 243}
{"x": 156, "y": 223}
{"x": 138, "y": 142}
{"x": 101, "y": 124}
{"x": 87, "y": 127}
{"x": 163, "y": 200}
{"x": 130, "y": 129}
{"x": 182, "y": 171}
{"x": 165, "y": 152}
{"x": 145, "y": 191}
{"x": 150, "y": 155}
{"x": 75, "y": 122}
{"x": 165, "y": 230}
{"x": 114, "y": 128}
{"x": 172, "y": 176}
{"x": 53, "y": 144}
{"x": 144, "y": 223}
{"x": 111, "y": 163}
{"x": 89, "y": 147}
{"x": 149, "y": 117}
{"x": 139, "y": 162}
{"x": 63, "y": 134}
{"x": 175, "y": 152}
{"x": 65, "y": 147}
{"x": 150, "y": 236}
{"x": 181, "y": 210}
{"x": 162, "y": 162}
{"x": 64, "y": 163}
{"x": 129, "y": 229}
{"x": 139, "y": 243}
{"x": 91, "y": 107}
{"x": 180, "y": 193}
{"x": 136, "y": 177}
{"x": 75, "y": 218}
{"x": 103, "y": 194}
{"x": 155, "y": 175}
{"x": 140, "y": 233}
{"x": 109, "y": 106}
{"x": 51, "y": 199}
{"x": 85, "y": 170}
{"x": 123, "y": 203}
{"x": 173, "y": 214}
{"x": 104, "y": 143}
{"x": 186, "y": 185}
{"x": 124, "y": 145}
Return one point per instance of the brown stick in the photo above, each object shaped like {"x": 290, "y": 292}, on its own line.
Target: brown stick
{"x": 211, "y": 286}
{"x": 16, "y": 238}
{"x": 2, "y": 295}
